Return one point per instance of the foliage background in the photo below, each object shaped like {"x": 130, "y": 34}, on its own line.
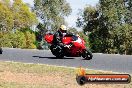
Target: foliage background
{"x": 107, "y": 27}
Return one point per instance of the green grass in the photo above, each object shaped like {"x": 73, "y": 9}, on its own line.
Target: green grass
{"x": 40, "y": 68}
{"x": 68, "y": 75}
{"x": 32, "y": 68}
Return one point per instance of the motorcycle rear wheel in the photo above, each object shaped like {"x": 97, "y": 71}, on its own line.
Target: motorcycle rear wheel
{"x": 57, "y": 51}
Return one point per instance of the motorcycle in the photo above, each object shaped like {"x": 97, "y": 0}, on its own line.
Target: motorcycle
{"x": 76, "y": 47}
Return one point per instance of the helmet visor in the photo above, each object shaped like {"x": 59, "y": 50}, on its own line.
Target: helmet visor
{"x": 63, "y": 31}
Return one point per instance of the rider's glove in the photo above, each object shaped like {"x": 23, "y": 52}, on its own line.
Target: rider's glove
{"x": 68, "y": 46}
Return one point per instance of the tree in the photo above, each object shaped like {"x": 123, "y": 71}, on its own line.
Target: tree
{"x": 30, "y": 40}
{"x": 18, "y": 39}
{"x": 73, "y": 30}
{"x": 94, "y": 26}
{"x": 41, "y": 32}
{"x": 128, "y": 11}
{"x": 5, "y": 40}
{"x": 15, "y": 19}
{"x": 15, "y": 16}
{"x": 118, "y": 13}
{"x": 52, "y": 12}
{"x": 86, "y": 39}
{"x": 6, "y": 17}
{"x": 125, "y": 39}
{"x": 23, "y": 17}
{"x": 108, "y": 26}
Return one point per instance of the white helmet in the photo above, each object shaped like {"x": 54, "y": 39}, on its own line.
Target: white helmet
{"x": 63, "y": 27}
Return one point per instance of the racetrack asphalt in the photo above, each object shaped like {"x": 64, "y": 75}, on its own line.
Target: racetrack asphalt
{"x": 106, "y": 62}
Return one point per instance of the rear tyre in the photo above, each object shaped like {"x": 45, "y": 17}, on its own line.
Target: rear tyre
{"x": 57, "y": 51}
{"x": 87, "y": 54}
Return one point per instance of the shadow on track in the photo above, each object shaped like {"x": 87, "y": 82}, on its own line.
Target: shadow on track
{"x": 53, "y": 57}
{"x": 85, "y": 59}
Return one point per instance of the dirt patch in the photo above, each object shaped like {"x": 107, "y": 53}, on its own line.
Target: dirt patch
{"x": 29, "y": 78}
{"x": 58, "y": 79}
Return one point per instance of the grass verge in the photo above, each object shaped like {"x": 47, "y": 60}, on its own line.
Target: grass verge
{"x": 21, "y": 75}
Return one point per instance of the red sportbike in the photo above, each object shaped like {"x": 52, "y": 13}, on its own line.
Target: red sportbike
{"x": 77, "y": 47}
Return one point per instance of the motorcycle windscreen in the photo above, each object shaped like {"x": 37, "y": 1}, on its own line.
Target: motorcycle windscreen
{"x": 67, "y": 40}
{"x": 48, "y": 38}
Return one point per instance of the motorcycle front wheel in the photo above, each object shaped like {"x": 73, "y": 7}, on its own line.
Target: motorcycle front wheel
{"x": 87, "y": 54}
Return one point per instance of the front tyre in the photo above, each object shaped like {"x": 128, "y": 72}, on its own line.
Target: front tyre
{"x": 87, "y": 54}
